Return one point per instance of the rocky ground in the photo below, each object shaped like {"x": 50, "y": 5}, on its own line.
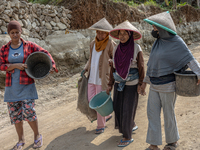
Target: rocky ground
{"x": 65, "y": 128}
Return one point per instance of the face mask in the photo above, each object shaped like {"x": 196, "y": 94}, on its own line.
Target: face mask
{"x": 154, "y": 34}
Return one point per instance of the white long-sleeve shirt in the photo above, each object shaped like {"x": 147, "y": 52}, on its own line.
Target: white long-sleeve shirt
{"x": 94, "y": 70}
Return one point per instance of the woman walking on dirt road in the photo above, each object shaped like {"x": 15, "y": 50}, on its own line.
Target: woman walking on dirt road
{"x": 169, "y": 54}
{"x": 20, "y": 90}
{"x": 98, "y": 66}
{"x": 127, "y": 75}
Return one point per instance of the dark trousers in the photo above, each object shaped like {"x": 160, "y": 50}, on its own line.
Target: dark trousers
{"x": 125, "y": 104}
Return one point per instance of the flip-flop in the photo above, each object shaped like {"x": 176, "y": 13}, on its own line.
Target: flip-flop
{"x": 134, "y": 128}
{"x": 127, "y": 141}
{"x": 97, "y": 131}
{"x": 108, "y": 118}
{"x": 19, "y": 144}
{"x": 36, "y": 141}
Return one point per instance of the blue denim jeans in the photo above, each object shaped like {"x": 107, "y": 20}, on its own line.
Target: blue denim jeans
{"x": 133, "y": 74}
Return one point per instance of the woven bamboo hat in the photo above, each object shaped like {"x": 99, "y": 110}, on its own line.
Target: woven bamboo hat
{"x": 101, "y": 25}
{"x": 163, "y": 20}
{"x": 126, "y": 25}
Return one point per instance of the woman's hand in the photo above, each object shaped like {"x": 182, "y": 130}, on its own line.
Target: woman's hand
{"x": 198, "y": 82}
{"x": 20, "y": 66}
{"x": 139, "y": 89}
{"x": 110, "y": 61}
{"x": 83, "y": 72}
{"x": 142, "y": 89}
{"x": 52, "y": 70}
{"x": 109, "y": 89}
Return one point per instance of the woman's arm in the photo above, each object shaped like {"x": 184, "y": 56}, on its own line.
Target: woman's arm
{"x": 111, "y": 49}
{"x": 111, "y": 78}
{"x": 19, "y": 66}
{"x": 140, "y": 65}
{"x": 3, "y": 65}
{"x": 195, "y": 67}
{"x": 87, "y": 65}
{"x": 86, "y": 68}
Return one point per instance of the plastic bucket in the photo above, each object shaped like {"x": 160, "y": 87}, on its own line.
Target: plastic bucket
{"x": 102, "y": 103}
{"x": 186, "y": 84}
{"x": 38, "y": 65}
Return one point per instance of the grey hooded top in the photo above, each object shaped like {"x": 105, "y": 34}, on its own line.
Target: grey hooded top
{"x": 169, "y": 53}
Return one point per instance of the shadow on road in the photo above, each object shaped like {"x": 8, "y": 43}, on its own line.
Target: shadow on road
{"x": 80, "y": 139}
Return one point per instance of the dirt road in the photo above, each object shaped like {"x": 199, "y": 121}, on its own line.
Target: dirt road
{"x": 65, "y": 128}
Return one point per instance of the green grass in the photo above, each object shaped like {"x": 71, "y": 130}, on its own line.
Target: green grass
{"x": 118, "y": 1}
{"x": 150, "y": 2}
{"x": 182, "y": 4}
{"x": 131, "y": 3}
{"x": 39, "y": 1}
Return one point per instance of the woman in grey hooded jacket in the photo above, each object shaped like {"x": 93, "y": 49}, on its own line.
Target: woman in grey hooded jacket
{"x": 169, "y": 54}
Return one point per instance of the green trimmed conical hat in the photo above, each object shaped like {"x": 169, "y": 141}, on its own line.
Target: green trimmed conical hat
{"x": 162, "y": 20}
{"x": 101, "y": 25}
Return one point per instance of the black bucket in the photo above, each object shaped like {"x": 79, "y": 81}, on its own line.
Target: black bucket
{"x": 38, "y": 65}
{"x": 186, "y": 84}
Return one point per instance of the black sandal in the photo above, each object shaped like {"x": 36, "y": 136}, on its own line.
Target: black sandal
{"x": 171, "y": 146}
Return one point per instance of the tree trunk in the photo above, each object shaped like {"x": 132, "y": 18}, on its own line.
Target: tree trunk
{"x": 198, "y": 3}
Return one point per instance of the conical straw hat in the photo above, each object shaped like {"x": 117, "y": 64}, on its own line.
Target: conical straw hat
{"x": 162, "y": 20}
{"x": 126, "y": 25}
{"x": 101, "y": 25}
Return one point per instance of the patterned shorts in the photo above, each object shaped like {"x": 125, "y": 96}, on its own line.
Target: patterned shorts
{"x": 22, "y": 110}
